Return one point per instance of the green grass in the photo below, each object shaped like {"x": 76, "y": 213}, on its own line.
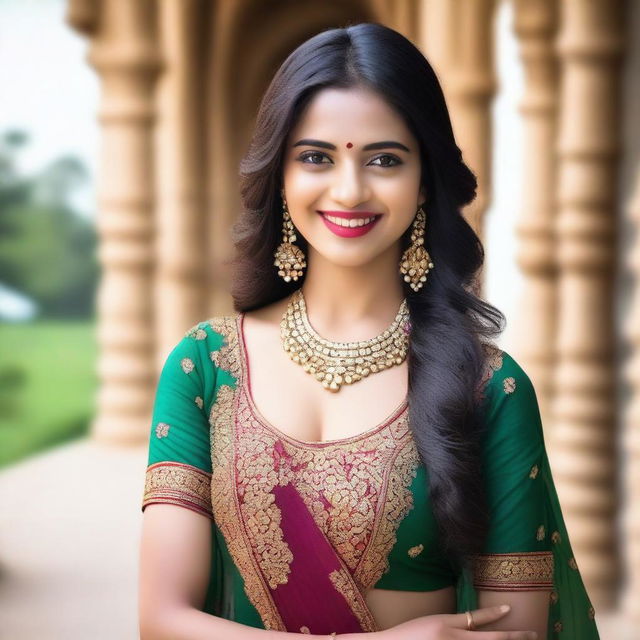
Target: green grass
{"x": 47, "y": 385}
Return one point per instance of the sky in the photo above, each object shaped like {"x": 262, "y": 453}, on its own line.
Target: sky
{"x": 50, "y": 91}
{"x": 47, "y": 87}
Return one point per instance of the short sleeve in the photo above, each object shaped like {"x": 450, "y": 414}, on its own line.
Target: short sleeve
{"x": 527, "y": 547}
{"x": 179, "y": 461}
{"x": 517, "y": 552}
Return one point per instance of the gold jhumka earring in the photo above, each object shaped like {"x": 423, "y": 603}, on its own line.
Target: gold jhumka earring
{"x": 289, "y": 258}
{"x": 416, "y": 263}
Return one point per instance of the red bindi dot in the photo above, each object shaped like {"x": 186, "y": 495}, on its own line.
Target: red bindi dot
{"x": 349, "y": 145}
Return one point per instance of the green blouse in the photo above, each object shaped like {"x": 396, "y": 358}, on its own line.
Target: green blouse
{"x": 386, "y": 534}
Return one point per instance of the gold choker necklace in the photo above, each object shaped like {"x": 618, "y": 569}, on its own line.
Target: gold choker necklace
{"x": 338, "y": 363}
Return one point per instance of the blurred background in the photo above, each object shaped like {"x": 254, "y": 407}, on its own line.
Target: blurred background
{"x": 122, "y": 123}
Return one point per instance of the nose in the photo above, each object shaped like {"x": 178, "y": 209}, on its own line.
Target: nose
{"x": 349, "y": 187}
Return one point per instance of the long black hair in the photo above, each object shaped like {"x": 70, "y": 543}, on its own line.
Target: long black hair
{"x": 449, "y": 321}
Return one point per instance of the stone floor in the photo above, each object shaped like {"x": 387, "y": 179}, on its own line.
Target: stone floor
{"x": 69, "y": 538}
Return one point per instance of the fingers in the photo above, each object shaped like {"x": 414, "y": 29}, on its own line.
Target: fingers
{"x": 479, "y": 616}
{"x": 497, "y": 635}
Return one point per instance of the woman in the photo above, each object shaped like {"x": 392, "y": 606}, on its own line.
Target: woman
{"x": 350, "y": 451}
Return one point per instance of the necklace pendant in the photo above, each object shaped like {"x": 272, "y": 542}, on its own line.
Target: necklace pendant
{"x": 334, "y": 364}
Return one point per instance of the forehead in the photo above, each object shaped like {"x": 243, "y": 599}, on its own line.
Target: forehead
{"x": 356, "y": 114}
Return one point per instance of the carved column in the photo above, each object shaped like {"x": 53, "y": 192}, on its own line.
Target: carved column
{"x": 584, "y": 408}
{"x": 180, "y": 297}
{"x": 123, "y": 52}
{"x": 535, "y": 27}
{"x": 457, "y": 38}
{"x": 632, "y": 427}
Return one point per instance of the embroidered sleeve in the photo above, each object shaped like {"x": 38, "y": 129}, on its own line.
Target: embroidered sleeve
{"x": 179, "y": 462}
{"x": 518, "y": 553}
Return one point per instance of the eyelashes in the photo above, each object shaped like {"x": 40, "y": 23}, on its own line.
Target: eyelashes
{"x": 395, "y": 161}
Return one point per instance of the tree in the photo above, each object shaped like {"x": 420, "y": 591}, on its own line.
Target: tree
{"x": 47, "y": 250}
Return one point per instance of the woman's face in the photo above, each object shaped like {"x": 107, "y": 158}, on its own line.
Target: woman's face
{"x": 351, "y": 156}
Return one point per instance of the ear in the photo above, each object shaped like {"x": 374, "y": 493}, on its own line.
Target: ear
{"x": 422, "y": 196}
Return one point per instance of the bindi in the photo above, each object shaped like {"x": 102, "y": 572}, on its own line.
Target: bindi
{"x": 349, "y": 145}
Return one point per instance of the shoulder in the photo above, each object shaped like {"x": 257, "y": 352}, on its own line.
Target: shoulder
{"x": 214, "y": 332}
{"x": 501, "y": 373}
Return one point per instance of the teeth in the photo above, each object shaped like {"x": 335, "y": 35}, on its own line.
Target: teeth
{"x": 354, "y": 222}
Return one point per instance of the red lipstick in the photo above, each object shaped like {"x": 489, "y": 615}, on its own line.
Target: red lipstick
{"x": 349, "y": 232}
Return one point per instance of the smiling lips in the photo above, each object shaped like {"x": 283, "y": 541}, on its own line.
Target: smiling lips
{"x": 349, "y": 224}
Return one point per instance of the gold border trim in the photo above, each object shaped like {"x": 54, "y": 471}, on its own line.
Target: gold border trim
{"x": 526, "y": 571}
{"x": 180, "y": 484}
{"x": 223, "y": 483}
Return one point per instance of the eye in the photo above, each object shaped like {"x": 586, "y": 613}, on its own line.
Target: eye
{"x": 311, "y": 157}
{"x": 395, "y": 161}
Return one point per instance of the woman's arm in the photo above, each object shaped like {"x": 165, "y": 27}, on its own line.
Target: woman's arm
{"x": 529, "y": 610}
{"x": 175, "y": 556}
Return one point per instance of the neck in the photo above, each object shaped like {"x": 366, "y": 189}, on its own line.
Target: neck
{"x": 352, "y": 303}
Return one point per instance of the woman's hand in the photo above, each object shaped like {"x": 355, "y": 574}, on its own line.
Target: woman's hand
{"x": 454, "y": 627}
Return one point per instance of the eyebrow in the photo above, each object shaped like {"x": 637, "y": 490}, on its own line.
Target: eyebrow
{"x": 385, "y": 144}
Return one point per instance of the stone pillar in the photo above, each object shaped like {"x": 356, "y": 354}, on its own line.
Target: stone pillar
{"x": 584, "y": 459}
{"x": 180, "y": 296}
{"x": 535, "y": 27}
{"x": 457, "y": 38}
{"x": 123, "y": 52}
{"x": 631, "y": 601}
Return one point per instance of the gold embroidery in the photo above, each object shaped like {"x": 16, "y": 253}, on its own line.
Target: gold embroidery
{"x": 555, "y": 537}
{"x": 534, "y": 471}
{"x": 356, "y": 489}
{"x": 178, "y": 483}
{"x": 591, "y": 613}
{"x": 199, "y": 402}
{"x": 414, "y": 552}
{"x": 228, "y": 357}
{"x": 215, "y": 355}
{"x": 540, "y": 533}
{"x": 509, "y": 384}
{"x": 162, "y": 430}
{"x": 196, "y": 332}
{"x": 532, "y": 570}
{"x": 492, "y": 363}
{"x": 573, "y": 564}
{"x": 187, "y": 365}
{"x": 553, "y": 597}
{"x": 396, "y": 502}
{"x": 304, "y": 629}
{"x": 557, "y": 627}
{"x": 223, "y": 494}
{"x": 340, "y": 580}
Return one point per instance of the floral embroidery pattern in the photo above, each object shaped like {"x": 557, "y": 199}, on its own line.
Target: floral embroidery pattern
{"x": 492, "y": 363}
{"x": 223, "y": 494}
{"x": 531, "y": 570}
{"x": 534, "y": 471}
{"x": 414, "y": 552}
{"x": 187, "y": 365}
{"x": 357, "y": 490}
{"x": 509, "y": 384}
{"x": 344, "y": 585}
{"x": 198, "y": 400}
{"x": 540, "y": 533}
{"x": 555, "y": 537}
{"x": 573, "y": 564}
{"x": 162, "y": 430}
{"x": 553, "y": 597}
{"x": 557, "y": 627}
{"x": 196, "y": 332}
{"x": 177, "y": 483}
{"x": 591, "y": 613}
